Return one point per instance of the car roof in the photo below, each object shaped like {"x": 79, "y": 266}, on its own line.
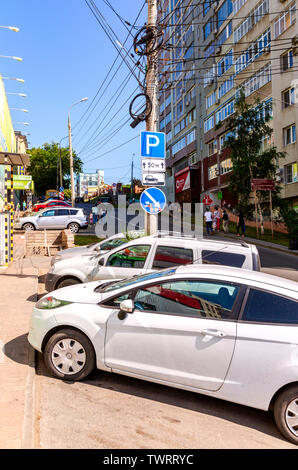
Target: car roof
{"x": 238, "y": 273}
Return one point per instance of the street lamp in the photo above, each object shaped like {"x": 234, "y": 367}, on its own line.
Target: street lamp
{"x": 24, "y": 123}
{"x": 70, "y": 152}
{"x": 17, "y": 79}
{"x": 12, "y": 57}
{"x": 12, "y": 28}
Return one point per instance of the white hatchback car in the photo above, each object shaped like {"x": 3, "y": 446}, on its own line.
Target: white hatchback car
{"x": 54, "y": 218}
{"x": 225, "y": 332}
{"x": 148, "y": 254}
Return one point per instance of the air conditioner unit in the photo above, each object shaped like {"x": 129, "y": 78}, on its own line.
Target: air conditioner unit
{"x": 215, "y": 31}
{"x": 187, "y": 103}
{"x": 267, "y": 49}
{"x": 218, "y": 50}
{"x": 217, "y": 101}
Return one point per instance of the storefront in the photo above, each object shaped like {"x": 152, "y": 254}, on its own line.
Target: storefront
{"x": 187, "y": 184}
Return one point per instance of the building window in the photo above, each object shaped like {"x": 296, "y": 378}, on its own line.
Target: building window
{"x": 286, "y": 19}
{"x": 191, "y": 116}
{"x": 237, "y": 4}
{"x": 289, "y": 135}
{"x": 206, "y": 7}
{"x": 209, "y": 124}
{"x": 224, "y": 137}
{"x": 286, "y": 61}
{"x": 225, "y": 63}
{"x": 226, "y": 86}
{"x": 257, "y": 48}
{"x": 210, "y": 99}
{"x": 212, "y": 172}
{"x": 208, "y": 28}
{"x": 253, "y": 18}
{"x": 224, "y": 112}
{"x": 258, "y": 80}
{"x": 226, "y": 166}
{"x": 224, "y": 11}
{"x": 288, "y": 97}
{"x": 291, "y": 173}
{"x": 212, "y": 148}
{"x": 184, "y": 141}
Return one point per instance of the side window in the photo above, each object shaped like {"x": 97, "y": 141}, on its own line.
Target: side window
{"x": 265, "y": 307}
{"x": 50, "y": 213}
{"x": 223, "y": 257}
{"x": 116, "y": 301}
{"x": 131, "y": 257}
{"x": 63, "y": 212}
{"x": 202, "y": 299}
{"x": 168, "y": 256}
{"x": 110, "y": 245}
{"x": 73, "y": 212}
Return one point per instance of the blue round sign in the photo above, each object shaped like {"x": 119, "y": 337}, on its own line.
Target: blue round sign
{"x": 153, "y": 200}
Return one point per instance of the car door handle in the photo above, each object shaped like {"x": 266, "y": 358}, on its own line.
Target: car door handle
{"x": 217, "y": 333}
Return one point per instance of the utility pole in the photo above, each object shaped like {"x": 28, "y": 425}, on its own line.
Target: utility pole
{"x": 151, "y": 221}
{"x": 131, "y": 179}
{"x": 71, "y": 163}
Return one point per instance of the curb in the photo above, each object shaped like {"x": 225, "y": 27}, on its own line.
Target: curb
{"x": 28, "y": 434}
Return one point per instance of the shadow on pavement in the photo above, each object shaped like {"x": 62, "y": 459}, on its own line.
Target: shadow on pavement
{"x": 258, "y": 420}
{"x": 18, "y": 350}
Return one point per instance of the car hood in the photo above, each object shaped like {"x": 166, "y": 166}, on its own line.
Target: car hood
{"x": 76, "y": 251}
{"x": 79, "y": 293}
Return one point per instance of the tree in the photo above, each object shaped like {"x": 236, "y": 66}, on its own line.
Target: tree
{"x": 43, "y": 166}
{"x": 249, "y": 126}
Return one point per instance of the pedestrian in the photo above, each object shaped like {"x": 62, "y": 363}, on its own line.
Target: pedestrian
{"x": 225, "y": 221}
{"x": 24, "y": 205}
{"x": 208, "y": 219}
{"x": 216, "y": 216}
{"x": 91, "y": 218}
{"x": 240, "y": 223}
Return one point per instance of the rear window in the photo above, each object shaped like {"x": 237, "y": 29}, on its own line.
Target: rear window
{"x": 168, "y": 256}
{"x": 223, "y": 257}
{"x": 264, "y": 307}
{"x": 73, "y": 211}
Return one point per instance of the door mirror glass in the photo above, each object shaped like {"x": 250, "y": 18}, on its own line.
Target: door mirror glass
{"x": 127, "y": 306}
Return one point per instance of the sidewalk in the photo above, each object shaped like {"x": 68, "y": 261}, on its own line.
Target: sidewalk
{"x": 18, "y": 292}
{"x": 254, "y": 241}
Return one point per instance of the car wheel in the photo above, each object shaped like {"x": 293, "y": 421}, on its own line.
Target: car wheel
{"x": 28, "y": 226}
{"x": 74, "y": 227}
{"x": 69, "y": 355}
{"x": 68, "y": 282}
{"x": 286, "y": 413}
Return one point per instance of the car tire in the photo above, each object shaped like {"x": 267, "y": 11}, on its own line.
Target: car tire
{"x": 68, "y": 282}
{"x": 73, "y": 227}
{"x": 59, "y": 347}
{"x": 28, "y": 226}
{"x": 285, "y": 408}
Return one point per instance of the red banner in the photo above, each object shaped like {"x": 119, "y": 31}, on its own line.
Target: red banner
{"x": 262, "y": 184}
{"x": 182, "y": 180}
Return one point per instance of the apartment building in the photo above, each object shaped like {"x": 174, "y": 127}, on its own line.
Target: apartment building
{"x": 214, "y": 48}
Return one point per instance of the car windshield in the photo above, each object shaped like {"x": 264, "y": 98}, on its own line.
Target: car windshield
{"x": 134, "y": 280}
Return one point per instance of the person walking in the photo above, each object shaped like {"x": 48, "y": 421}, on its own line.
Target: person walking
{"x": 225, "y": 221}
{"x": 208, "y": 220}
{"x": 240, "y": 223}
{"x": 216, "y": 216}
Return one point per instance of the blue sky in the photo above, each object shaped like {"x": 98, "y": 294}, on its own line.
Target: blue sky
{"x": 66, "y": 55}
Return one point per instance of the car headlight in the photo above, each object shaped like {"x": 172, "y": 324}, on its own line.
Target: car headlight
{"x": 55, "y": 259}
{"x": 50, "y": 302}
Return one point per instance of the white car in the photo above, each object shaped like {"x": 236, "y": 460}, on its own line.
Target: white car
{"x": 148, "y": 254}
{"x": 225, "y": 332}
{"x": 54, "y": 218}
{"x": 98, "y": 248}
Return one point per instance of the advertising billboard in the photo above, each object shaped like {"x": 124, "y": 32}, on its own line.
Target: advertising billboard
{"x": 7, "y": 136}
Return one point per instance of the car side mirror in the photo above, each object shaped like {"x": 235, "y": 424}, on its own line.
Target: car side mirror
{"x": 101, "y": 262}
{"x": 127, "y": 306}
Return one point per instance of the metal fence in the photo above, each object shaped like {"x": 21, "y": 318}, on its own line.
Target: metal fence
{"x": 6, "y": 244}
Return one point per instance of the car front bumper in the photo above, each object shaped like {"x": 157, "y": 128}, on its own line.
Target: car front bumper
{"x": 51, "y": 281}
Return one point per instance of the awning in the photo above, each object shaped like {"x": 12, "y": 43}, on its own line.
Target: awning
{"x": 19, "y": 159}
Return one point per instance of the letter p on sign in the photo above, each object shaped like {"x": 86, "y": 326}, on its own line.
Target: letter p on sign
{"x": 153, "y": 144}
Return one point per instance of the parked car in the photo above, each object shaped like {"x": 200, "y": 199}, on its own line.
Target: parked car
{"x": 54, "y": 218}
{"x": 98, "y": 248}
{"x": 37, "y": 207}
{"x": 225, "y": 332}
{"x": 148, "y": 254}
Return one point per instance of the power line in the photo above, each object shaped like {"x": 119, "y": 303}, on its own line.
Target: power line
{"x": 112, "y": 150}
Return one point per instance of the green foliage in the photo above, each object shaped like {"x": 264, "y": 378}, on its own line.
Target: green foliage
{"x": 67, "y": 194}
{"x": 252, "y": 125}
{"x": 43, "y": 166}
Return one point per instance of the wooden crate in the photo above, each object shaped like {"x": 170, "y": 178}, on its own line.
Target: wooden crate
{"x": 47, "y": 242}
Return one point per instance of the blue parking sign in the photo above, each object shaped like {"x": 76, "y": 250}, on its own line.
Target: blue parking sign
{"x": 153, "y": 144}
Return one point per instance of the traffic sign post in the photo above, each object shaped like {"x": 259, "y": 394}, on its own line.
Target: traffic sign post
{"x": 153, "y": 200}
{"x": 152, "y": 165}
{"x": 153, "y": 179}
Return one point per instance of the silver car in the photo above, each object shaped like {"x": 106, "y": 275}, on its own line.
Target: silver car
{"x": 54, "y": 218}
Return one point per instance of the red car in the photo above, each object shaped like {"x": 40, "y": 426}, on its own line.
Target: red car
{"x": 43, "y": 205}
